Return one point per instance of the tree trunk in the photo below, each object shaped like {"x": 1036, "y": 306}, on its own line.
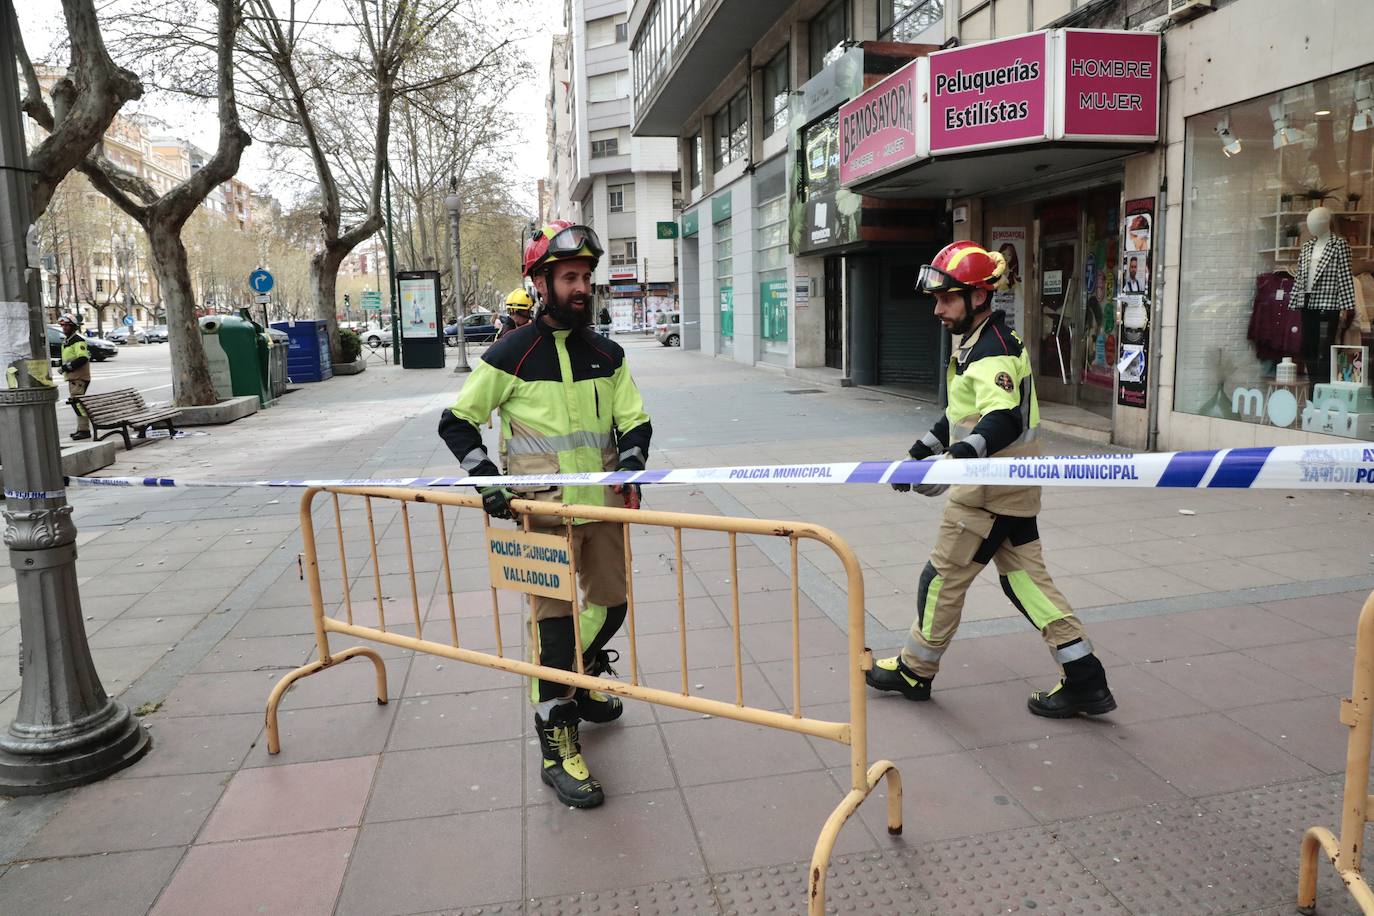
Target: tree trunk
{"x": 191, "y": 384}
{"x": 324, "y": 278}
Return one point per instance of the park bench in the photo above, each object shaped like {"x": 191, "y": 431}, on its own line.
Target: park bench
{"x": 123, "y": 410}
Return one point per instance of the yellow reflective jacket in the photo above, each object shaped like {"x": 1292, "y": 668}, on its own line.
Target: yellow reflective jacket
{"x": 568, "y": 405}
{"x": 76, "y": 358}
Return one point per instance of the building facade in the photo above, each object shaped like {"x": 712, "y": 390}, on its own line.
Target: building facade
{"x": 621, "y": 185}
{"x": 1152, "y": 188}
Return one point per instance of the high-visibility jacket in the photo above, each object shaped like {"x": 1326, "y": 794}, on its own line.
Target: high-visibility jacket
{"x": 990, "y": 409}
{"x": 568, "y": 405}
{"x": 76, "y": 358}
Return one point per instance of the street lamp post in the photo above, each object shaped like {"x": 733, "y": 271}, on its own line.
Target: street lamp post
{"x": 66, "y": 731}
{"x": 455, "y": 204}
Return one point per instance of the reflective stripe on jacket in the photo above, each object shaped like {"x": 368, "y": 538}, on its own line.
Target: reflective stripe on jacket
{"x": 76, "y": 358}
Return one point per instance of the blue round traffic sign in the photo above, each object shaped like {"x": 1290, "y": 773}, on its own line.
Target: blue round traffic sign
{"x": 128, "y": 321}
{"x": 260, "y": 280}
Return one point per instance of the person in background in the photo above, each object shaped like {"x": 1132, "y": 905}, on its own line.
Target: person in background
{"x": 76, "y": 369}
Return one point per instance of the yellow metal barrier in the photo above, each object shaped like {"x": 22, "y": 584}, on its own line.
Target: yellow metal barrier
{"x": 853, "y": 731}
{"x": 1357, "y": 713}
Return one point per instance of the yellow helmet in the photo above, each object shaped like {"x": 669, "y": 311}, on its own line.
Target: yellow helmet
{"x": 519, "y": 301}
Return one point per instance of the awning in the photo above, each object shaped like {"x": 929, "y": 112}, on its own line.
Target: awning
{"x": 1002, "y": 113}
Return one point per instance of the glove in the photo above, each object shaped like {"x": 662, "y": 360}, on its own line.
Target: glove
{"x": 919, "y": 452}
{"x": 496, "y": 501}
{"x": 631, "y": 493}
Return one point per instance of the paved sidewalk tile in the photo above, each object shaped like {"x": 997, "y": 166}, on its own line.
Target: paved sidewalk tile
{"x": 433, "y": 864}
{"x": 126, "y": 814}
{"x": 447, "y": 780}
{"x": 298, "y": 874}
{"x": 1309, "y": 729}
{"x": 113, "y": 884}
{"x": 196, "y": 744}
{"x": 296, "y": 798}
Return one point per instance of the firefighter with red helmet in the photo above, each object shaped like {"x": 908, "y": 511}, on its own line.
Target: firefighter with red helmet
{"x": 990, "y": 409}
{"x": 568, "y": 405}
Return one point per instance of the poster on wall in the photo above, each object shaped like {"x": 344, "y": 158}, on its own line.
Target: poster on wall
{"x": 1133, "y": 302}
{"x": 1010, "y": 243}
{"x": 419, "y": 310}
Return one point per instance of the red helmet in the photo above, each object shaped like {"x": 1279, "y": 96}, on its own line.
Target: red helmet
{"x": 561, "y": 240}
{"x": 962, "y": 266}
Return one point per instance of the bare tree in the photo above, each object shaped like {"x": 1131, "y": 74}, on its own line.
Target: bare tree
{"x": 162, "y": 217}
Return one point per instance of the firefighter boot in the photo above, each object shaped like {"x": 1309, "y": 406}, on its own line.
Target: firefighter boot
{"x": 893, "y": 674}
{"x": 593, "y": 705}
{"x": 1082, "y": 689}
{"x": 564, "y": 769}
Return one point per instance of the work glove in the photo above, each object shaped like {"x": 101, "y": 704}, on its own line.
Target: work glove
{"x": 631, "y": 493}
{"x": 957, "y": 450}
{"x": 918, "y": 452}
{"x": 496, "y": 501}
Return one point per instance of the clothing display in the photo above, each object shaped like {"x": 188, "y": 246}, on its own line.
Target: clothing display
{"x": 1326, "y": 285}
{"x": 1274, "y": 329}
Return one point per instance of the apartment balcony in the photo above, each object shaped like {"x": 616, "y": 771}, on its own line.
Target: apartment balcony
{"x": 683, "y": 49}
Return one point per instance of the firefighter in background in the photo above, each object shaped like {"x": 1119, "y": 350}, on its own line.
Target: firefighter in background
{"x": 76, "y": 369}
{"x": 568, "y": 405}
{"x": 990, "y": 410}
{"x": 519, "y": 307}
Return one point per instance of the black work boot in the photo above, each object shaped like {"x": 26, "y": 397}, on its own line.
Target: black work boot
{"x": 593, "y": 705}
{"x": 564, "y": 769}
{"x": 1082, "y": 689}
{"x": 893, "y": 674}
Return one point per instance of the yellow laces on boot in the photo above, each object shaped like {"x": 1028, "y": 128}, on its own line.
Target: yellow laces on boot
{"x": 572, "y": 757}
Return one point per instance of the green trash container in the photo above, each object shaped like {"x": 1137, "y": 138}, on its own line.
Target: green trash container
{"x": 232, "y": 350}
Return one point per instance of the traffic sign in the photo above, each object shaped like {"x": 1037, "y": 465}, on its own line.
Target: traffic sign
{"x": 261, "y": 281}
{"x": 372, "y": 300}
{"x": 262, "y": 299}
{"x": 128, "y": 321}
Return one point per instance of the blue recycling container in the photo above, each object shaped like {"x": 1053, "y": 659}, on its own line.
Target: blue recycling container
{"x": 307, "y": 359}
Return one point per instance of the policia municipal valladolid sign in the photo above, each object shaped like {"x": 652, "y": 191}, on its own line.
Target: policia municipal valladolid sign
{"x": 536, "y": 564}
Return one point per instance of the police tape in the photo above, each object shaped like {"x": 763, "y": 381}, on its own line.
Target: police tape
{"x": 1280, "y": 467}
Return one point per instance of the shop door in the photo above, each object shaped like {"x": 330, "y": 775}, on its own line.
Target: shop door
{"x": 834, "y": 314}
{"x": 908, "y": 331}
{"x": 1060, "y": 319}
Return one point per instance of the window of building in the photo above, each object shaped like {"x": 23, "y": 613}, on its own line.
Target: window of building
{"x": 826, "y": 33}
{"x": 905, "y": 20}
{"x": 725, "y": 276}
{"x": 694, "y": 161}
{"x": 622, "y": 197}
{"x": 605, "y": 87}
{"x": 731, "y": 127}
{"x": 624, "y": 252}
{"x": 775, "y": 86}
{"x": 100, "y": 286}
{"x": 601, "y": 32}
{"x": 605, "y": 143}
{"x": 1275, "y": 187}
{"x": 621, "y": 30}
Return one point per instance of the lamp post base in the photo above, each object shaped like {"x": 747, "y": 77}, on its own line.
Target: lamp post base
{"x": 50, "y": 765}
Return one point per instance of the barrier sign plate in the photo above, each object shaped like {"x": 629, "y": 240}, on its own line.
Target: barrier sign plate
{"x": 536, "y": 564}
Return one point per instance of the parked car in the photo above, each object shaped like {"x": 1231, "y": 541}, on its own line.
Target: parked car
{"x": 120, "y": 336}
{"x": 371, "y": 334}
{"x": 157, "y": 333}
{"x": 478, "y": 327}
{"x": 669, "y": 331}
{"x": 101, "y": 349}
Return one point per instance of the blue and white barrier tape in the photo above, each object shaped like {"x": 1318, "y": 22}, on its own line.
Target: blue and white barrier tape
{"x": 1282, "y": 467}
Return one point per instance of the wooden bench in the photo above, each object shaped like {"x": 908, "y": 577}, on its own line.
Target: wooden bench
{"x": 123, "y": 410}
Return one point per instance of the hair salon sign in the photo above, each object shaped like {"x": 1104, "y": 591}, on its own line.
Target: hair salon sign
{"x": 878, "y": 130}
{"x": 1108, "y": 85}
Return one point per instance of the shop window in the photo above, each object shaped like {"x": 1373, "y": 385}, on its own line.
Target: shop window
{"x": 775, "y": 93}
{"x": 827, "y": 33}
{"x": 725, "y": 279}
{"x": 731, "y": 128}
{"x": 1275, "y": 295}
{"x": 771, "y": 243}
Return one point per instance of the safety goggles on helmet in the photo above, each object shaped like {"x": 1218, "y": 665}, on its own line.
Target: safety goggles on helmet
{"x": 933, "y": 280}
{"x": 574, "y": 241}
{"x": 519, "y": 308}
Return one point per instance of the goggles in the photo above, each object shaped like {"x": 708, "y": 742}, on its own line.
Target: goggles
{"x": 573, "y": 241}
{"x": 932, "y": 280}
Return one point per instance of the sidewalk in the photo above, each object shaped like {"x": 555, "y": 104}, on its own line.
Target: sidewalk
{"x": 1228, "y": 636}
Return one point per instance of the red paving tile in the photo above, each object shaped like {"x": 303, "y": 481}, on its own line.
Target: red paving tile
{"x": 300, "y": 797}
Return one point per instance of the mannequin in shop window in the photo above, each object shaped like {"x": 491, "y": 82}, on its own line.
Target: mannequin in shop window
{"x": 1325, "y": 291}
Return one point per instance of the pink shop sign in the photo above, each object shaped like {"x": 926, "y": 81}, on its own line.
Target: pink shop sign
{"x": 1109, "y": 85}
{"x": 992, "y": 94}
{"x": 879, "y": 129}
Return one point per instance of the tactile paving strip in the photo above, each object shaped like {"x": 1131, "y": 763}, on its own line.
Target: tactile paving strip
{"x": 686, "y": 897}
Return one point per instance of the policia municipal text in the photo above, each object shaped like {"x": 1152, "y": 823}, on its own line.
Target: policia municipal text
{"x": 568, "y": 405}
{"x": 990, "y": 410}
